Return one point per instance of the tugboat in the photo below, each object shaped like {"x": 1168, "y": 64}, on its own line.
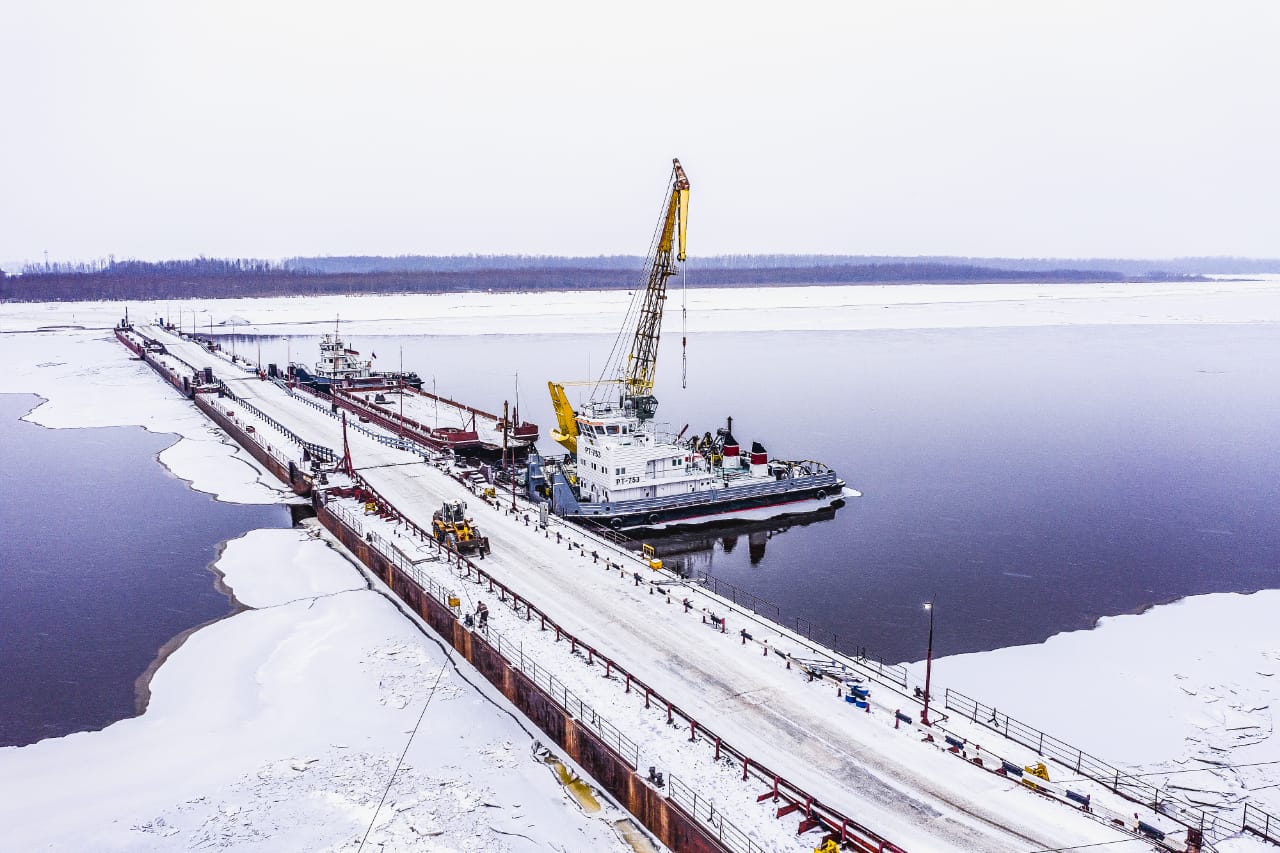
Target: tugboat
{"x": 340, "y": 365}
{"x": 622, "y": 474}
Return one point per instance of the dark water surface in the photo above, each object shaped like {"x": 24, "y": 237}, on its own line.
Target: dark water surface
{"x": 104, "y": 558}
{"x": 1031, "y": 479}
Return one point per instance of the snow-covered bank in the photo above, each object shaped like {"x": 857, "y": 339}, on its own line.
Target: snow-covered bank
{"x": 1192, "y": 688}
{"x": 832, "y": 308}
{"x": 279, "y": 728}
{"x": 86, "y": 381}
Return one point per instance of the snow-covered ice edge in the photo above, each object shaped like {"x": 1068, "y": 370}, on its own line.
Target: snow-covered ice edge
{"x": 84, "y": 380}
{"x": 1184, "y": 693}
{"x": 280, "y": 728}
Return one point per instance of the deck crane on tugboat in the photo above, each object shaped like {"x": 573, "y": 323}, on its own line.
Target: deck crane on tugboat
{"x": 635, "y": 372}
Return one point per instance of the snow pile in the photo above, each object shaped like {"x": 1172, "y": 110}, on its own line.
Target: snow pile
{"x": 1191, "y": 688}
{"x": 280, "y": 727}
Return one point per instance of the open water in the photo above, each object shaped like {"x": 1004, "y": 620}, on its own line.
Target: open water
{"x": 104, "y": 559}
{"x": 1029, "y": 480}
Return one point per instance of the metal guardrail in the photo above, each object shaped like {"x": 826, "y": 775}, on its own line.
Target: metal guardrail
{"x": 704, "y": 811}
{"x": 858, "y": 654}
{"x": 1214, "y": 827}
{"x": 317, "y": 451}
{"x": 565, "y": 698}
{"x": 388, "y": 440}
{"x": 1261, "y": 824}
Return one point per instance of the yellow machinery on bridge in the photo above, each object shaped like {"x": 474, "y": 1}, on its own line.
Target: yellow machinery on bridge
{"x": 450, "y": 526}
{"x": 635, "y": 372}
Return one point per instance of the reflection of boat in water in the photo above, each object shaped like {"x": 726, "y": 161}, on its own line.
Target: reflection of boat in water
{"x": 690, "y": 551}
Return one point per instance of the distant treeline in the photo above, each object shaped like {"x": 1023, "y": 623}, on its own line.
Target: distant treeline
{"x": 1164, "y": 268}
{"x": 205, "y": 278}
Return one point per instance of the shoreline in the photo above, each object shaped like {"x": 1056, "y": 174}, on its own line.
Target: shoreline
{"x": 142, "y": 684}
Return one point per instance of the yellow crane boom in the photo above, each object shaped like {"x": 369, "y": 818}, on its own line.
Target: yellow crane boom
{"x": 566, "y": 430}
{"x": 642, "y": 360}
{"x": 636, "y": 372}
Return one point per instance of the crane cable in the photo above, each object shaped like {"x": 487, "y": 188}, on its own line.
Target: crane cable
{"x": 614, "y": 367}
{"x": 684, "y": 327}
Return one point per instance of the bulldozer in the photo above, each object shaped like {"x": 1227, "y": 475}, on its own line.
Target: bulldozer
{"x": 451, "y": 527}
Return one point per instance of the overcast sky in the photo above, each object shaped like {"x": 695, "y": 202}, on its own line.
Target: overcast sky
{"x": 261, "y": 129}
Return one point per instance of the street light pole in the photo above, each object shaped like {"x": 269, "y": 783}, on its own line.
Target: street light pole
{"x": 928, "y": 668}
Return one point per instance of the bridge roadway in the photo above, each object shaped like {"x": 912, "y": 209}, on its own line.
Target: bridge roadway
{"x": 918, "y": 797}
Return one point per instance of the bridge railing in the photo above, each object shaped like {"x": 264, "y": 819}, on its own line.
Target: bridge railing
{"x": 895, "y": 673}
{"x": 1261, "y": 824}
{"x": 388, "y": 440}
{"x": 1214, "y": 826}
{"x": 704, "y": 811}
{"x": 317, "y": 451}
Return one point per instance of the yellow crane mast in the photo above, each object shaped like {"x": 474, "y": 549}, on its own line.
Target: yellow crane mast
{"x": 643, "y": 357}
{"x": 636, "y": 372}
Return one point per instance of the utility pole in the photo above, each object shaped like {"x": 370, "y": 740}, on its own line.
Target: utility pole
{"x": 928, "y": 668}
{"x": 511, "y": 472}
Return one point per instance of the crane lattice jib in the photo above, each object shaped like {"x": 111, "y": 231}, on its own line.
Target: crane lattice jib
{"x": 643, "y": 358}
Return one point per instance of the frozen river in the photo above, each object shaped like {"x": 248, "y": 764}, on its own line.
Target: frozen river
{"x": 106, "y": 558}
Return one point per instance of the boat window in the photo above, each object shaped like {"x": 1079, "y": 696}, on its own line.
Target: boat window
{"x": 613, "y": 429}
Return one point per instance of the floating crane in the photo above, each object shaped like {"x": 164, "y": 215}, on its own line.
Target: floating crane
{"x": 633, "y": 367}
